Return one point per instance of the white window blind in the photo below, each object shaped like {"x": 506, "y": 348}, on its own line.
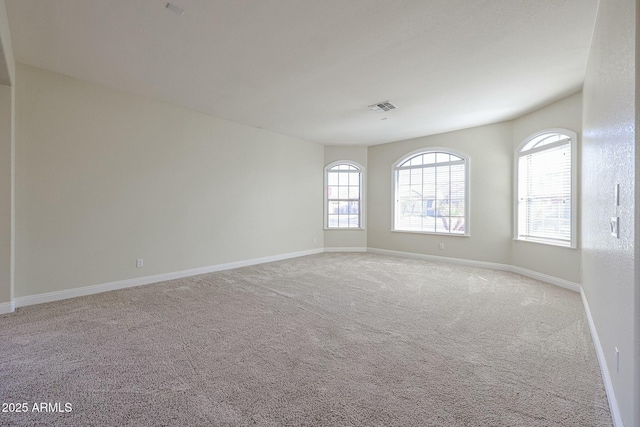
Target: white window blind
{"x": 431, "y": 193}
{"x": 343, "y": 196}
{"x": 545, "y": 190}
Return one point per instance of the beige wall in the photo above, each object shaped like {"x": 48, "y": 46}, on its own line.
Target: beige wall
{"x": 7, "y": 62}
{"x": 609, "y": 157}
{"x": 7, "y": 165}
{"x": 334, "y": 239}
{"x": 563, "y": 263}
{"x": 489, "y": 149}
{"x": 105, "y": 177}
{"x": 6, "y": 196}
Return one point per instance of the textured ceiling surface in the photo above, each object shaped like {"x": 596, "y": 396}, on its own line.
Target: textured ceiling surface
{"x": 309, "y": 68}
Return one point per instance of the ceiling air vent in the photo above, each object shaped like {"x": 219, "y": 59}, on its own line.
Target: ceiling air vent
{"x": 175, "y": 9}
{"x": 383, "y": 106}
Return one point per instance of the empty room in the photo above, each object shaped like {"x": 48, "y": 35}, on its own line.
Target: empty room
{"x": 319, "y": 213}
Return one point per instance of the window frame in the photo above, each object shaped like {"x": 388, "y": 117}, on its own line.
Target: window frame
{"x": 573, "y": 142}
{"x": 467, "y": 187}
{"x": 361, "y": 209}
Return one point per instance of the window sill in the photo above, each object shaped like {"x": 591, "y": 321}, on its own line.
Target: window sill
{"x": 344, "y": 229}
{"x": 546, "y": 242}
{"x": 431, "y": 233}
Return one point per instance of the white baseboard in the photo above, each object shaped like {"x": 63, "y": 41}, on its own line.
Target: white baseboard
{"x": 7, "y": 307}
{"x": 572, "y": 286}
{"x": 483, "y": 264}
{"x": 350, "y": 249}
{"x": 606, "y": 378}
{"x": 139, "y": 281}
{"x": 435, "y": 258}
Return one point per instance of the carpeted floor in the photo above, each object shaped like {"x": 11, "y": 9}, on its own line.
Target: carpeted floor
{"x": 323, "y": 340}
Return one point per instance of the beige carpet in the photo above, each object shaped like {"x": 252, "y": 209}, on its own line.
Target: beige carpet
{"x": 323, "y": 340}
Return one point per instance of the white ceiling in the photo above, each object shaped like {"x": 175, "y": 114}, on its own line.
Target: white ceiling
{"x": 310, "y": 68}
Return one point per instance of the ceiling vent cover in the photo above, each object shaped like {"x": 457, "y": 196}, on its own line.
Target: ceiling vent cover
{"x": 383, "y": 106}
{"x": 175, "y": 9}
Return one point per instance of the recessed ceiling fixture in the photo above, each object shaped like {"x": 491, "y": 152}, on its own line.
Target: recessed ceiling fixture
{"x": 175, "y": 9}
{"x": 383, "y": 106}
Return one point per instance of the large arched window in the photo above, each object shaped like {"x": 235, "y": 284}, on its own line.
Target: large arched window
{"x": 431, "y": 190}
{"x": 545, "y": 187}
{"x": 343, "y": 195}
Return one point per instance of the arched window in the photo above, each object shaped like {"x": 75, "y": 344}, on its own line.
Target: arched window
{"x": 545, "y": 188}
{"x": 343, "y": 204}
{"x": 431, "y": 190}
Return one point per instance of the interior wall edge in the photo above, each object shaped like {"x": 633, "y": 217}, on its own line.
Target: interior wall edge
{"x": 7, "y": 307}
{"x": 7, "y": 58}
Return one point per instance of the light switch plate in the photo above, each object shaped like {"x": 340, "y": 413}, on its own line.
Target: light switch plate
{"x": 614, "y": 227}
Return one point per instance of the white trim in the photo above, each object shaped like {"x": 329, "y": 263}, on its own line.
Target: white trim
{"x": 606, "y": 378}
{"x": 344, "y": 229}
{"x": 7, "y": 307}
{"x": 139, "y": 281}
{"x": 145, "y": 280}
{"x": 572, "y": 286}
{"x": 446, "y": 150}
{"x": 560, "y": 143}
{"x": 430, "y": 232}
{"x": 436, "y": 258}
{"x": 483, "y": 264}
{"x": 346, "y": 249}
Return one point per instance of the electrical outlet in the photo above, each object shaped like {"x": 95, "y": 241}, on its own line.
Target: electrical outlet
{"x": 442, "y": 246}
{"x": 139, "y": 263}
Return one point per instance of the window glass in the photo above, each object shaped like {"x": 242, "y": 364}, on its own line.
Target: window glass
{"x": 430, "y": 192}
{"x": 545, "y": 189}
{"x": 343, "y": 196}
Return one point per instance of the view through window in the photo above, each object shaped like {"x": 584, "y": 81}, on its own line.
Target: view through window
{"x": 545, "y": 200}
{"x": 431, "y": 193}
{"x": 343, "y": 196}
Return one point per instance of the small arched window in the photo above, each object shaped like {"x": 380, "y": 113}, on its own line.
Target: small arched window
{"x": 546, "y": 188}
{"x": 343, "y": 195}
{"x": 431, "y": 190}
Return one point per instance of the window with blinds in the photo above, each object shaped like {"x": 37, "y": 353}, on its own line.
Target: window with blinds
{"x": 343, "y": 201}
{"x": 545, "y": 189}
{"x": 431, "y": 193}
